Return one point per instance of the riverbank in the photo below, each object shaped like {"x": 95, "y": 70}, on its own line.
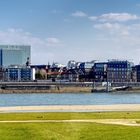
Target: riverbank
{"x": 52, "y": 90}
{"x": 88, "y": 108}
{"x": 68, "y": 89}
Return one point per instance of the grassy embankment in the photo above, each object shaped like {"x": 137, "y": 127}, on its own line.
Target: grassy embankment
{"x": 69, "y": 115}
{"x": 68, "y": 131}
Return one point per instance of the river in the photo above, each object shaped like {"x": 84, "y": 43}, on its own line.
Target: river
{"x": 36, "y": 99}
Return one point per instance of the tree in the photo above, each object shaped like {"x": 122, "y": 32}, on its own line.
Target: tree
{"x": 39, "y": 76}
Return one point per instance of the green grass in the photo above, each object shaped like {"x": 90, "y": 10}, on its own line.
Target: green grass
{"x": 138, "y": 121}
{"x": 69, "y": 115}
{"x": 68, "y": 131}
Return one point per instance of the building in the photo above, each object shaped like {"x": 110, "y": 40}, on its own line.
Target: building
{"x": 17, "y": 73}
{"x": 86, "y": 66}
{"x": 100, "y": 71}
{"x": 2, "y": 73}
{"x": 85, "y": 72}
{"x": 119, "y": 71}
{"x": 57, "y": 65}
{"x": 71, "y": 64}
{"x": 14, "y": 55}
{"x": 136, "y": 73}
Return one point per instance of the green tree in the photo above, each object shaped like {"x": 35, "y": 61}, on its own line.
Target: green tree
{"x": 38, "y": 75}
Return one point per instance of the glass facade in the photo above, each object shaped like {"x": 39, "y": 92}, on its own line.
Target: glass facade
{"x": 18, "y": 74}
{"x": 14, "y": 54}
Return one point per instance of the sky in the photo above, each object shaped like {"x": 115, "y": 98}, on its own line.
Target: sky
{"x": 80, "y": 30}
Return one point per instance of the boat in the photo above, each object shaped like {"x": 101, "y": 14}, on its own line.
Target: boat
{"x": 121, "y": 88}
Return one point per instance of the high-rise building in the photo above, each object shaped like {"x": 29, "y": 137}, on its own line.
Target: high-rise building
{"x": 14, "y": 54}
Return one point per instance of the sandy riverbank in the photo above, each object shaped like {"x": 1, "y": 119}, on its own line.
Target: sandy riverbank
{"x": 116, "y": 107}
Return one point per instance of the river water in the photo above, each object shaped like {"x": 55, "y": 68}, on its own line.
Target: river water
{"x": 36, "y": 99}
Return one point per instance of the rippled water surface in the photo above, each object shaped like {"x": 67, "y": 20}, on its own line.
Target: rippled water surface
{"x": 68, "y": 99}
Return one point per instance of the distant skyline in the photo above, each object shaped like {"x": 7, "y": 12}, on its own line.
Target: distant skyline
{"x": 80, "y": 30}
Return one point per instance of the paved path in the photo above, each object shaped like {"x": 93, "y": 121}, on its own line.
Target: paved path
{"x": 128, "y": 122}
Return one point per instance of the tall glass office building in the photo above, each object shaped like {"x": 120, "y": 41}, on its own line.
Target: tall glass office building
{"x": 14, "y": 54}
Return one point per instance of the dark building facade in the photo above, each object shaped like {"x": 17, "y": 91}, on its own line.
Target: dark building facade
{"x": 136, "y": 73}
{"x": 100, "y": 72}
{"x": 119, "y": 71}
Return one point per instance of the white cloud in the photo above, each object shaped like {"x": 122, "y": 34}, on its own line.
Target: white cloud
{"x": 19, "y": 36}
{"x": 118, "y": 17}
{"x": 52, "y": 41}
{"x": 79, "y": 14}
{"x": 114, "y": 28}
{"x": 107, "y": 26}
{"x": 41, "y": 48}
{"x": 125, "y": 33}
{"x": 93, "y": 18}
{"x": 120, "y": 40}
{"x": 112, "y": 17}
{"x": 108, "y": 17}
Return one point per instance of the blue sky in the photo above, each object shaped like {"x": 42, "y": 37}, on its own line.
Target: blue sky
{"x": 81, "y": 30}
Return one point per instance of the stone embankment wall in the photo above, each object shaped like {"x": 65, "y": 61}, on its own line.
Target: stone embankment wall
{"x": 55, "y": 87}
